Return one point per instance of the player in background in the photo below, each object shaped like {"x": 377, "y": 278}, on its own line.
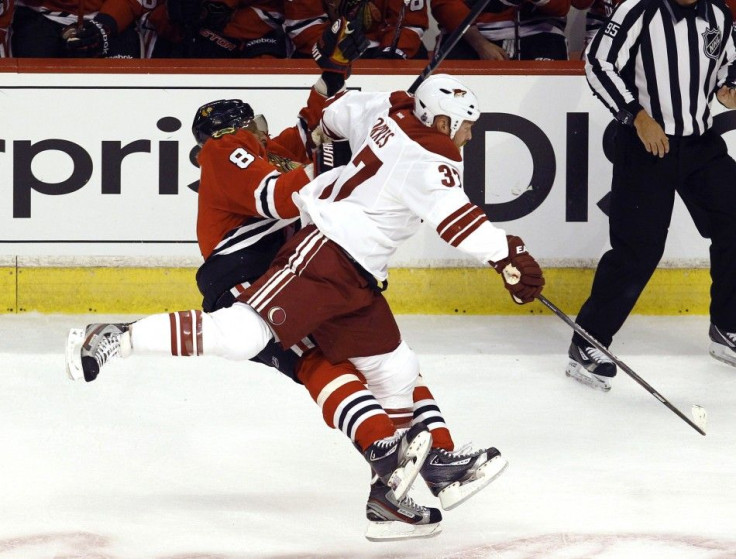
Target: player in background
{"x": 41, "y": 29}
{"x": 506, "y": 29}
{"x": 394, "y": 29}
{"x": 357, "y": 324}
{"x": 215, "y": 29}
{"x": 183, "y": 29}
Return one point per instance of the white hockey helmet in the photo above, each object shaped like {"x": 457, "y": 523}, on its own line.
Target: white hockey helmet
{"x": 442, "y": 94}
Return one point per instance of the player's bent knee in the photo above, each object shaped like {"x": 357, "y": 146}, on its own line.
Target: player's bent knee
{"x": 237, "y": 332}
{"x": 391, "y": 376}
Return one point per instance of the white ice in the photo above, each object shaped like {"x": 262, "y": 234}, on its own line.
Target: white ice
{"x": 184, "y": 458}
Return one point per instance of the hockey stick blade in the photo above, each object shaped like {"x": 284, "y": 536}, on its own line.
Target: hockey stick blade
{"x": 699, "y": 414}
{"x": 448, "y": 45}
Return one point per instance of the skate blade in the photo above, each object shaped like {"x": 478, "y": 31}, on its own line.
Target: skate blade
{"x": 457, "y": 493}
{"x": 393, "y": 530}
{"x": 403, "y": 477}
{"x": 722, "y": 354}
{"x": 576, "y": 371}
{"x": 74, "y": 342}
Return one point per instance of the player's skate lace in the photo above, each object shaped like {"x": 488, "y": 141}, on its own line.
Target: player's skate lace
{"x": 444, "y": 467}
{"x": 102, "y": 345}
{"x": 595, "y": 361}
{"x": 379, "y": 511}
{"x": 396, "y": 460}
{"x": 456, "y": 475}
{"x": 108, "y": 349}
{"x": 391, "y": 519}
{"x": 590, "y": 366}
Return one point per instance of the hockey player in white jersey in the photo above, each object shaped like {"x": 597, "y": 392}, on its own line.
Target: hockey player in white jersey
{"x": 407, "y": 168}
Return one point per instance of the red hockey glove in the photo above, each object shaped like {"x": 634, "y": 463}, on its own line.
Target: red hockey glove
{"x": 92, "y": 39}
{"x": 521, "y": 274}
{"x": 339, "y": 46}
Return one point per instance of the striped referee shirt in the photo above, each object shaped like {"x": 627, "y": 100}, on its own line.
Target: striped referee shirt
{"x": 665, "y": 58}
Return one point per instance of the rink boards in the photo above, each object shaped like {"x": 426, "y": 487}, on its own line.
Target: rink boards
{"x": 115, "y": 290}
{"x": 101, "y": 218}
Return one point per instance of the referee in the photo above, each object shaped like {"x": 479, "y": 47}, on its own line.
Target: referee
{"x": 657, "y": 64}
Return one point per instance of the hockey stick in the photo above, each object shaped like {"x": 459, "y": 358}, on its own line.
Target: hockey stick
{"x": 80, "y": 15}
{"x": 397, "y": 31}
{"x": 699, "y": 414}
{"x": 441, "y": 53}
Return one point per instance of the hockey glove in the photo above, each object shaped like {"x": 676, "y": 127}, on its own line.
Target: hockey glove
{"x": 330, "y": 155}
{"x": 521, "y": 274}
{"x": 339, "y": 46}
{"x": 215, "y": 15}
{"x": 92, "y": 39}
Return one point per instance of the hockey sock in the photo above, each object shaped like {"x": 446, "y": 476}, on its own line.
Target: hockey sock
{"x": 345, "y": 402}
{"x": 427, "y": 411}
{"x": 235, "y": 332}
{"x": 401, "y": 417}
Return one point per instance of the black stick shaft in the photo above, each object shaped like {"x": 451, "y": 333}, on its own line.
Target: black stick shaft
{"x": 446, "y": 46}
{"x": 623, "y": 366}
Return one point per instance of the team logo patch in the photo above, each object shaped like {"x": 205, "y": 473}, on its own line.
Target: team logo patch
{"x": 276, "y": 316}
{"x": 711, "y": 43}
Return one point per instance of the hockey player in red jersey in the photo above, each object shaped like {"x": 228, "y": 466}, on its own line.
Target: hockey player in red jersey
{"x": 515, "y": 29}
{"x": 395, "y": 30}
{"x": 183, "y": 29}
{"x": 215, "y": 29}
{"x": 358, "y": 325}
{"x": 43, "y": 29}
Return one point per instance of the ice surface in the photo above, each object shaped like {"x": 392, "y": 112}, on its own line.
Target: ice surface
{"x": 184, "y": 458}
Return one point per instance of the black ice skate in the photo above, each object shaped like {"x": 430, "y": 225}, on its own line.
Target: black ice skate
{"x": 396, "y": 460}
{"x": 456, "y": 476}
{"x": 89, "y": 349}
{"x": 590, "y": 366}
{"x": 723, "y": 345}
{"x": 390, "y": 519}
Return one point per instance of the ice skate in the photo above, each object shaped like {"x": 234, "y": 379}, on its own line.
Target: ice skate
{"x": 396, "y": 460}
{"x": 591, "y": 367}
{"x": 390, "y": 519}
{"x": 89, "y": 349}
{"x": 455, "y": 476}
{"x": 723, "y": 345}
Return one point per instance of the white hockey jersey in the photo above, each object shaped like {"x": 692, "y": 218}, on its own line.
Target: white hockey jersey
{"x": 402, "y": 173}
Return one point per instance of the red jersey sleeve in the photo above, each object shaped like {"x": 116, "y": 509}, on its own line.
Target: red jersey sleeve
{"x": 305, "y": 21}
{"x": 296, "y": 142}
{"x": 125, "y": 12}
{"x": 449, "y": 13}
{"x": 237, "y": 182}
{"x": 415, "y": 22}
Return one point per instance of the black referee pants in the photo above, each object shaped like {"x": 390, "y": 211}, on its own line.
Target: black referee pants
{"x": 643, "y": 190}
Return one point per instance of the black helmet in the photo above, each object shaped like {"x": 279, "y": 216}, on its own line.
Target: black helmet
{"x": 217, "y": 115}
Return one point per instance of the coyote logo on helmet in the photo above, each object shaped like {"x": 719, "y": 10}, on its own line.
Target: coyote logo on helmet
{"x": 459, "y": 92}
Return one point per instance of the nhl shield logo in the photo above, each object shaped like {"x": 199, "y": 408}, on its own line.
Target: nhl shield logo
{"x": 711, "y": 43}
